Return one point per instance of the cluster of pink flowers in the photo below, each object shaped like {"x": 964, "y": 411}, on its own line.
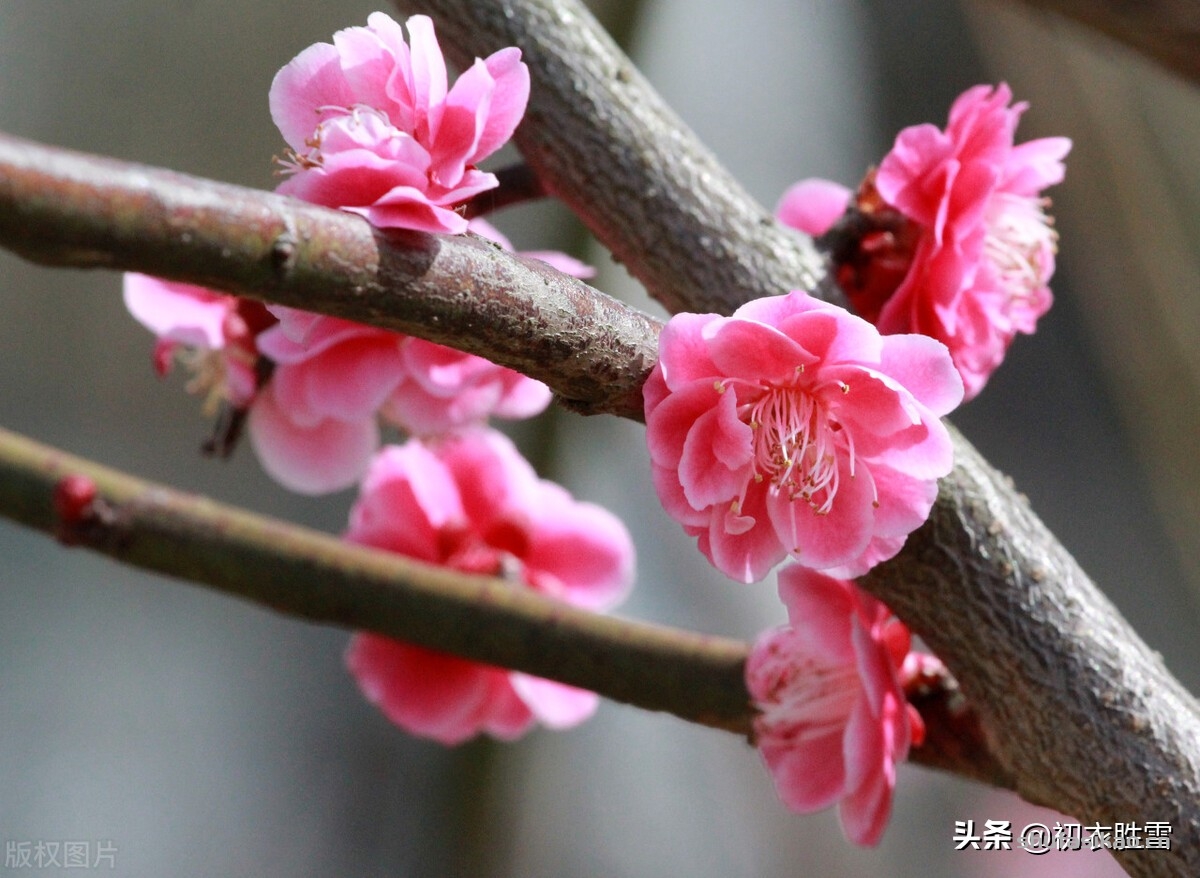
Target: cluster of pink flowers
{"x": 471, "y": 502}
{"x": 959, "y": 246}
{"x": 795, "y": 430}
{"x": 374, "y": 129}
{"x": 791, "y": 430}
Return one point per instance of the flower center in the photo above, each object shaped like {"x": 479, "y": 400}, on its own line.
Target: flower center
{"x": 357, "y": 123}
{"x": 1020, "y": 244}
{"x": 811, "y": 699}
{"x": 796, "y": 445}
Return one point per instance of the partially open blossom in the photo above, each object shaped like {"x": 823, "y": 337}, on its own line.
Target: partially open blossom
{"x": 212, "y": 333}
{"x": 316, "y": 424}
{"x": 833, "y": 720}
{"x": 794, "y": 428}
{"x": 472, "y": 503}
{"x": 960, "y": 213}
{"x": 375, "y": 128}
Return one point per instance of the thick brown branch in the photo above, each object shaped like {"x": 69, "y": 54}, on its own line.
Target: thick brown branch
{"x": 87, "y": 212}
{"x": 1080, "y": 711}
{"x": 1166, "y": 30}
{"x": 604, "y": 142}
{"x": 63, "y": 208}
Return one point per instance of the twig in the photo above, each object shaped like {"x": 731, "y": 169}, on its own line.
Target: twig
{"x": 59, "y": 207}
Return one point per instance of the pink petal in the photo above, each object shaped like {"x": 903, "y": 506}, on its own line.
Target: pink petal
{"x": 748, "y": 554}
{"x": 923, "y": 366}
{"x": 555, "y": 705}
{"x": 368, "y": 56}
{"x": 427, "y": 693}
{"x": 669, "y": 423}
{"x": 821, "y": 607}
{"x": 510, "y": 96}
{"x": 834, "y": 337}
{"x": 904, "y": 501}
{"x": 178, "y": 312}
{"x": 463, "y": 118}
{"x": 813, "y": 205}
{"x": 717, "y": 454}
{"x": 310, "y": 82}
{"x": 586, "y": 548}
{"x": 912, "y": 161}
{"x": 1035, "y": 164}
{"x": 755, "y": 352}
{"x": 405, "y": 484}
{"x": 821, "y": 541}
{"x": 428, "y": 77}
{"x": 810, "y": 777}
{"x": 683, "y": 350}
{"x": 494, "y": 475}
{"x": 347, "y": 382}
{"x": 776, "y": 310}
{"x": 316, "y": 459}
{"x": 562, "y": 262}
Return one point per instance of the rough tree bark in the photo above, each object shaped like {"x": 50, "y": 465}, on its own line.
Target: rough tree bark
{"x": 1079, "y": 710}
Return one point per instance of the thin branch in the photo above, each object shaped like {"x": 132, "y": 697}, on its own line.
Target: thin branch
{"x": 317, "y": 577}
{"x": 59, "y": 207}
{"x": 1167, "y": 31}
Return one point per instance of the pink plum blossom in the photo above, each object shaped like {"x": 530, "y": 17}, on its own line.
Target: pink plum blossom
{"x": 962, "y": 249}
{"x": 794, "y": 428}
{"x": 833, "y": 719}
{"x": 212, "y": 333}
{"x": 316, "y": 424}
{"x": 472, "y": 503}
{"x": 375, "y": 128}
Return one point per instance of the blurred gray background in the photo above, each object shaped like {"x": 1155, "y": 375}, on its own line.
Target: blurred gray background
{"x": 205, "y": 736}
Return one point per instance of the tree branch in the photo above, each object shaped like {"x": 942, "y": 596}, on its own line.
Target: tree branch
{"x": 661, "y": 191}
{"x": 320, "y": 578}
{"x": 64, "y": 208}
{"x": 1080, "y": 711}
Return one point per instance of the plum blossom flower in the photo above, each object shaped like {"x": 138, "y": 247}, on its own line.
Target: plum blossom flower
{"x": 374, "y": 127}
{"x": 794, "y": 428}
{"x": 212, "y": 333}
{"x": 833, "y": 719}
{"x": 472, "y": 503}
{"x": 316, "y": 426}
{"x": 961, "y": 248}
